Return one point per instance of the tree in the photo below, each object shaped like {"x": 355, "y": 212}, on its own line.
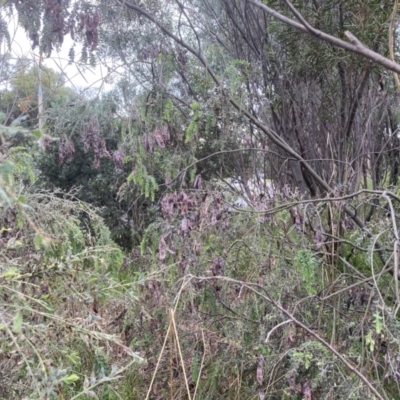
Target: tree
{"x": 50, "y": 246}
{"x": 83, "y": 154}
{"x": 226, "y": 88}
{"x": 21, "y": 99}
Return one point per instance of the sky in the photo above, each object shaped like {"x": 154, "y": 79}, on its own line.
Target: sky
{"x": 77, "y": 78}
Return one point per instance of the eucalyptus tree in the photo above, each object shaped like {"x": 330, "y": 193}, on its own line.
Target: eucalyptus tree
{"x": 332, "y": 108}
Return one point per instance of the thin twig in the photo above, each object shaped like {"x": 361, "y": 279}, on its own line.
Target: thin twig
{"x": 275, "y": 328}
{"x": 158, "y": 363}
{"x": 172, "y": 318}
{"x": 201, "y": 365}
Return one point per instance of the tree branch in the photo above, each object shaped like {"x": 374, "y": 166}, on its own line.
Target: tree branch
{"x": 355, "y": 46}
{"x": 255, "y": 288}
{"x": 273, "y": 136}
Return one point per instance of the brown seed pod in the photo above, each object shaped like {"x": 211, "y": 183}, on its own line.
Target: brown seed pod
{"x": 95, "y": 41}
{"x": 96, "y": 19}
{"x": 82, "y": 21}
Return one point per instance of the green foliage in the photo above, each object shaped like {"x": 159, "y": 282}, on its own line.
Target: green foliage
{"x": 147, "y": 184}
{"x": 22, "y": 99}
{"x": 4, "y": 34}
{"x": 306, "y": 264}
{"x": 378, "y": 323}
{"x": 193, "y": 126}
{"x": 241, "y": 281}
{"x": 167, "y": 110}
{"x": 59, "y": 258}
{"x": 236, "y": 74}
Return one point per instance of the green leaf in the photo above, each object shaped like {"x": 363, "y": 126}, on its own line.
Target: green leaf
{"x": 70, "y": 379}
{"x": 5, "y": 196}
{"x": 168, "y": 106}
{"x": 22, "y": 199}
{"x": 195, "y": 368}
{"x": 13, "y": 244}
{"x": 378, "y": 323}
{"x": 370, "y": 341}
{"x": 17, "y": 323}
{"x": 6, "y": 168}
{"x": 73, "y": 356}
{"x": 38, "y": 241}
{"x": 10, "y": 273}
{"x": 37, "y": 133}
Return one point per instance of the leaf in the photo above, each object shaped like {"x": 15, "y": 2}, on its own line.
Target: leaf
{"x": 292, "y": 384}
{"x": 61, "y": 372}
{"x": 195, "y": 368}
{"x": 90, "y": 393}
{"x": 378, "y": 323}
{"x": 70, "y": 379}
{"x": 370, "y": 341}
{"x": 22, "y": 199}
{"x": 10, "y": 273}
{"x": 38, "y": 241}
{"x": 197, "y": 182}
{"x": 18, "y": 121}
{"x": 13, "y": 244}
{"x": 162, "y": 249}
{"x": 114, "y": 369}
{"x": 185, "y": 225}
{"x": 37, "y": 133}
{"x": 307, "y": 360}
{"x": 6, "y": 168}
{"x": 159, "y": 138}
{"x": 17, "y": 323}
{"x": 72, "y": 356}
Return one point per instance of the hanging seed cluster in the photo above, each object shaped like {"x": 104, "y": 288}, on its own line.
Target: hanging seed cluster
{"x": 90, "y": 23}
{"x": 92, "y": 140}
{"x": 66, "y": 150}
{"x": 48, "y": 21}
{"x": 160, "y": 135}
{"x": 118, "y": 158}
{"x": 53, "y": 12}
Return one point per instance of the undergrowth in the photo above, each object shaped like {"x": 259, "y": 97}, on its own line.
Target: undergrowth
{"x": 216, "y": 303}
